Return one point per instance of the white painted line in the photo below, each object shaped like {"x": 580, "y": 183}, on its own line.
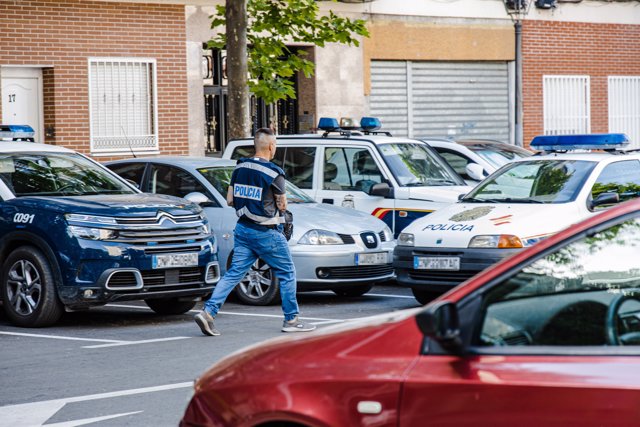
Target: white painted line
{"x": 76, "y": 423}
{"x": 275, "y": 316}
{"x": 37, "y": 413}
{"x": 58, "y": 337}
{"x": 368, "y": 295}
{"x": 117, "y": 344}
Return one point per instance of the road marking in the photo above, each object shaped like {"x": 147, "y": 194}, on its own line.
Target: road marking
{"x": 117, "y": 344}
{"x": 86, "y": 421}
{"x": 369, "y": 295}
{"x": 59, "y": 337}
{"x": 233, "y": 313}
{"x": 37, "y": 413}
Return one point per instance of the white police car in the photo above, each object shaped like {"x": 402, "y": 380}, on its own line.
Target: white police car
{"x": 395, "y": 179}
{"x": 520, "y": 204}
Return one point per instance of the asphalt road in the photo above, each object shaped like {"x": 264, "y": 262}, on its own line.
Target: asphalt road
{"x": 123, "y": 365}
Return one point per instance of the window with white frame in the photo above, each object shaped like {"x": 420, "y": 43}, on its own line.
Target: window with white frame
{"x": 624, "y": 107}
{"x": 566, "y": 105}
{"x": 123, "y": 105}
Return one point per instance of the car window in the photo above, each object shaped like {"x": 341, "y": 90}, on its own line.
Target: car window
{"x": 498, "y": 155}
{"x": 619, "y": 177}
{"x": 456, "y": 160}
{"x": 417, "y": 165}
{"x": 297, "y": 162}
{"x": 586, "y": 293}
{"x": 353, "y": 169}
{"x": 541, "y": 181}
{"x": 130, "y": 171}
{"x": 173, "y": 181}
{"x": 57, "y": 174}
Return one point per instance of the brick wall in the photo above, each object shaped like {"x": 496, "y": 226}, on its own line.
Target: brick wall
{"x": 63, "y": 34}
{"x": 569, "y": 48}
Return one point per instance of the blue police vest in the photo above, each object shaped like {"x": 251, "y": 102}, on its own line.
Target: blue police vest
{"x": 251, "y": 179}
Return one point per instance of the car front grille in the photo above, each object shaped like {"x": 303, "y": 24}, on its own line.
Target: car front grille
{"x": 442, "y": 277}
{"x": 172, "y": 279}
{"x": 347, "y": 239}
{"x": 357, "y": 272}
{"x": 161, "y": 230}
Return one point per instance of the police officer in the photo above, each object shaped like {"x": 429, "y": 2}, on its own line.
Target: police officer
{"x": 257, "y": 192}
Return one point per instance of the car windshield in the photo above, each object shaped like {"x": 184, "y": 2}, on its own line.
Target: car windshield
{"x": 220, "y": 177}
{"x": 499, "y": 155}
{"x": 415, "y": 165}
{"x": 57, "y": 174}
{"x": 535, "y": 181}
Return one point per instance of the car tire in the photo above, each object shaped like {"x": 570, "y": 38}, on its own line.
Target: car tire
{"x": 423, "y": 296}
{"x": 352, "y": 291}
{"x": 29, "y": 292}
{"x": 169, "y": 305}
{"x": 259, "y": 286}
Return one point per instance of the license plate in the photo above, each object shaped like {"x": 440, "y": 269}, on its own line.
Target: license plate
{"x": 188, "y": 259}
{"x": 436, "y": 263}
{"x": 373, "y": 258}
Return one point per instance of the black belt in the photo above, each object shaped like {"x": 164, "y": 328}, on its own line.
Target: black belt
{"x": 256, "y": 226}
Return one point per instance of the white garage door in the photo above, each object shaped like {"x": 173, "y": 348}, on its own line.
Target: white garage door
{"x": 441, "y": 99}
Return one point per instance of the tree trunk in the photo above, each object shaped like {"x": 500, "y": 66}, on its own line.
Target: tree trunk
{"x": 236, "y": 17}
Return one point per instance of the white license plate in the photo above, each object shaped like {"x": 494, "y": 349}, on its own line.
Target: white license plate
{"x": 188, "y": 259}
{"x": 436, "y": 263}
{"x": 373, "y": 258}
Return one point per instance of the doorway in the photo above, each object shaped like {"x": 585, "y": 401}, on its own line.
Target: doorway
{"x": 22, "y": 98}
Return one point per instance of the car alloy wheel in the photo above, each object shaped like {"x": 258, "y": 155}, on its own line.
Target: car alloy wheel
{"x": 259, "y": 286}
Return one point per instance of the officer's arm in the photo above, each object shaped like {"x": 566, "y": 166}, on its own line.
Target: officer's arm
{"x": 230, "y": 196}
{"x": 281, "y": 202}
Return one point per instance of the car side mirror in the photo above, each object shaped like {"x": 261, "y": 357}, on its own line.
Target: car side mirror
{"x": 475, "y": 171}
{"x": 607, "y": 198}
{"x": 382, "y": 189}
{"x": 199, "y": 199}
{"x": 440, "y": 322}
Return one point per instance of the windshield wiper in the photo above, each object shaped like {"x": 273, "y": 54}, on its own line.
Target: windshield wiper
{"x": 472, "y": 200}
{"x": 523, "y": 200}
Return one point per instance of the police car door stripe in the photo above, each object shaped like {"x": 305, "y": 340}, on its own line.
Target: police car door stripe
{"x": 265, "y": 170}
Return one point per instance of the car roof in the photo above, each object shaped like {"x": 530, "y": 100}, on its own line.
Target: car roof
{"x": 355, "y": 138}
{"x": 8, "y": 147}
{"x": 195, "y": 162}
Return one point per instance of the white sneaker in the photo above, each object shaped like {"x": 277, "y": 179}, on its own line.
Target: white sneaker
{"x": 205, "y": 321}
{"x": 295, "y": 325}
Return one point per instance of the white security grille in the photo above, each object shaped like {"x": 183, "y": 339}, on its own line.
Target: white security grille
{"x": 122, "y": 100}
{"x": 624, "y": 107}
{"x": 566, "y": 105}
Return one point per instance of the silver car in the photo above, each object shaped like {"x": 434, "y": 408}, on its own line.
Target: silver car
{"x": 333, "y": 248}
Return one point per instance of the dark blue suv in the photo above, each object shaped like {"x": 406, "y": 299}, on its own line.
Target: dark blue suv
{"x": 74, "y": 235}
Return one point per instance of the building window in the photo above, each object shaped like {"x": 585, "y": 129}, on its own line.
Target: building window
{"x": 566, "y": 105}
{"x": 624, "y": 107}
{"x": 123, "y": 105}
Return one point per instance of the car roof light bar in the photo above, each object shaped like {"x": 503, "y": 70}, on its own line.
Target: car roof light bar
{"x": 347, "y": 126}
{"x": 17, "y": 132}
{"x": 595, "y": 141}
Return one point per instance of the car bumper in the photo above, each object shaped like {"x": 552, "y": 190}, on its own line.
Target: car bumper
{"x": 103, "y": 272}
{"x": 336, "y": 264}
{"x": 472, "y": 261}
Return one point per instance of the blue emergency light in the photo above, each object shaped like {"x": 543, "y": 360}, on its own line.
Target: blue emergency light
{"x": 369, "y": 124}
{"x": 17, "y": 132}
{"x": 595, "y": 141}
{"x": 328, "y": 124}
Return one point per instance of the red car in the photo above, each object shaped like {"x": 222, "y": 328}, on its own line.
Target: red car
{"x": 550, "y": 336}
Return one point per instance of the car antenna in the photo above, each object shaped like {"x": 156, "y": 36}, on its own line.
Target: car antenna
{"x": 128, "y": 142}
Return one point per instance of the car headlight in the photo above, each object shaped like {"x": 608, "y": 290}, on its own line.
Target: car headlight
{"x": 320, "y": 237}
{"x": 388, "y": 234}
{"x": 92, "y": 233}
{"x": 501, "y": 241}
{"x": 406, "y": 239}
{"x": 93, "y": 219}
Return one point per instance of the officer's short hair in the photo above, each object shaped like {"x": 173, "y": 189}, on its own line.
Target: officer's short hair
{"x": 262, "y": 138}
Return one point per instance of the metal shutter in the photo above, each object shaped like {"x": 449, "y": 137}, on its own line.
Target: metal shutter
{"x": 447, "y": 99}
{"x": 388, "y": 99}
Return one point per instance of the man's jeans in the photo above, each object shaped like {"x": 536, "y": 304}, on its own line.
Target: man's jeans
{"x": 250, "y": 244}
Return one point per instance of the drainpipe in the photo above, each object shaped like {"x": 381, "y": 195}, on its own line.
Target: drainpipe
{"x": 518, "y": 83}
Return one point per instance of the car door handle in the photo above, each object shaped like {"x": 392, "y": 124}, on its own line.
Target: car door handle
{"x": 328, "y": 201}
